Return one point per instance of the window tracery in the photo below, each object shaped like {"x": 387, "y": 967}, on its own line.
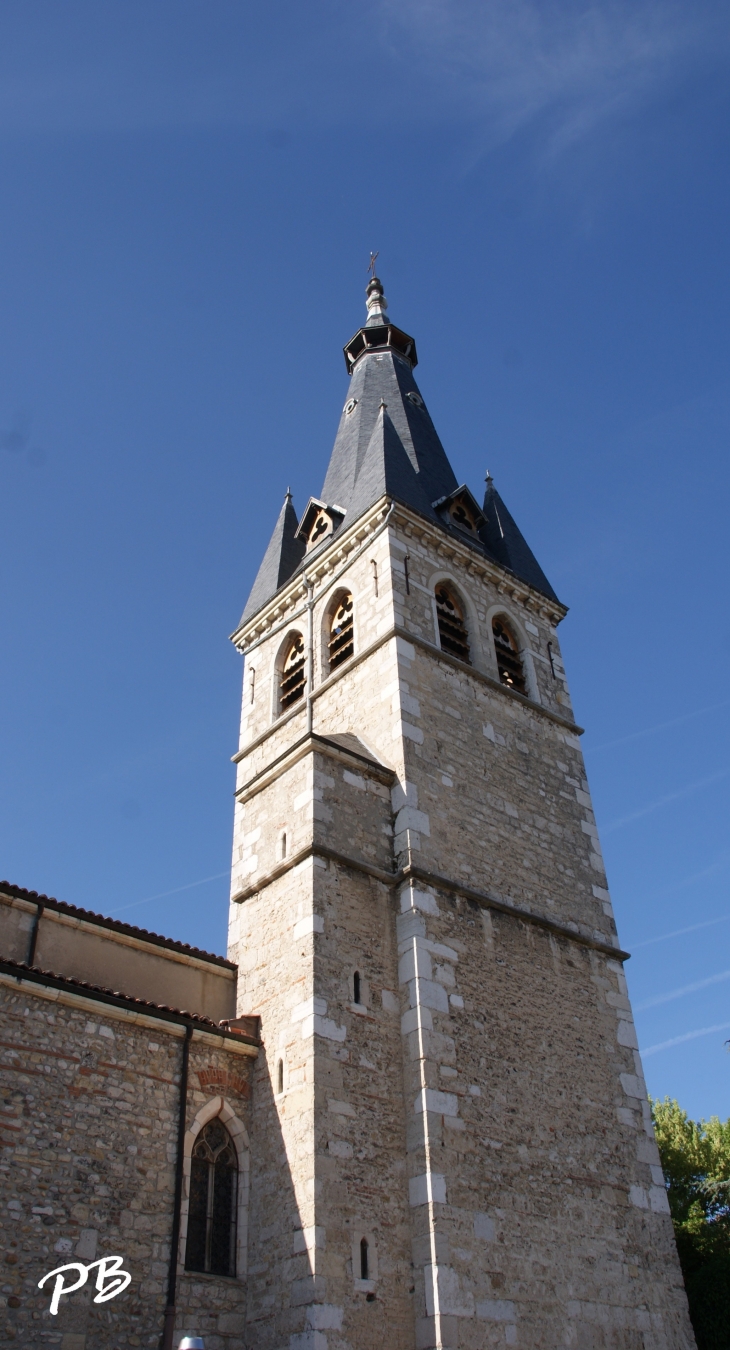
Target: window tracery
{"x": 509, "y": 661}
{"x": 453, "y": 633}
{"x": 341, "y": 644}
{"x": 293, "y": 677}
{"x": 211, "y": 1236}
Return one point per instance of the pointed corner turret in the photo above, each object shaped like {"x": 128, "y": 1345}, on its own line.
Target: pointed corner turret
{"x": 506, "y": 543}
{"x": 281, "y": 559}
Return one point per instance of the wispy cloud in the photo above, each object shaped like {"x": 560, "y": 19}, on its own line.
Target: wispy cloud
{"x": 660, "y": 726}
{"x": 680, "y": 932}
{"x": 665, "y": 800}
{"x": 503, "y": 65}
{"x": 685, "y": 989}
{"x": 162, "y": 895}
{"x": 688, "y": 1036}
{"x": 573, "y": 66}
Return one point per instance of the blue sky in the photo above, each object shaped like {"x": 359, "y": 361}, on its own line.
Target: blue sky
{"x": 190, "y": 194}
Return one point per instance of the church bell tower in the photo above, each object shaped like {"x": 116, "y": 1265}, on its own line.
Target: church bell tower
{"x": 451, "y": 1139}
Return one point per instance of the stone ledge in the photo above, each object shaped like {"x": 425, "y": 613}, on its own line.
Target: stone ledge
{"x": 412, "y": 872}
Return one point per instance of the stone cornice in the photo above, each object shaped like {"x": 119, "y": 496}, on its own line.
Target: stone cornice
{"x": 446, "y": 545}
{"x": 413, "y": 873}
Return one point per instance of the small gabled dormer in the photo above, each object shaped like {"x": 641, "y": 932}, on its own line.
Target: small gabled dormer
{"x": 318, "y": 521}
{"x": 460, "y": 509}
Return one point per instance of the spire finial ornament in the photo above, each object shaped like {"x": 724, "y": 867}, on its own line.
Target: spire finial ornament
{"x": 488, "y": 480}
{"x": 376, "y": 301}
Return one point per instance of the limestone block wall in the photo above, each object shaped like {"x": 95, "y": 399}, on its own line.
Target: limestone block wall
{"x": 487, "y": 591}
{"x": 540, "y": 1214}
{"x": 88, "y": 1123}
{"x": 507, "y": 1137}
{"x": 328, "y": 1130}
{"x": 273, "y": 935}
{"x": 503, "y": 797}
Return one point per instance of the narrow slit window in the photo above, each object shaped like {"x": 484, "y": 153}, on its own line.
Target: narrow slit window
{"x": 280, "y": 1076}
{"x": 293, "y": 676}
{"x": 509, "y": 663}
{"x": 341, "y": 639}
{"x": 211, "y": 1243}
{"x": 453, "y": 633}
{"x": 282, "y": 846}
{"x": 364, "y": 1263}
{"x": 356, "y": 987}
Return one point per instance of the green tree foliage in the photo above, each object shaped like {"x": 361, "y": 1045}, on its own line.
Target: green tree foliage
{"x": 696, "y": 1160}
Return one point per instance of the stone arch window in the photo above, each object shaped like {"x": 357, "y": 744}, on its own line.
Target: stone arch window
{"x": 453, "y": 632}
{"x": 364, "y": 1262}
{"x": 509, "y": 661}
{"x": 341, "y": 635}
{"x": 213, "y": 1202}
{"x": 292, "y": 676}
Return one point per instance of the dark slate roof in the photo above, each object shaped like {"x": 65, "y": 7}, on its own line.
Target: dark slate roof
{"x": 281, "y": 559}
{"x": 385, "y": 468}
{"x": 88, "y": 916}
{"x": 387, "y": 445}
{"x": 386, "y": 377}
{"x": 345, "y": 740}
{"x": 506, "y": 543}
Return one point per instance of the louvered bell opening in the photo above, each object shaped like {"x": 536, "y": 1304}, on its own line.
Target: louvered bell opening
{"x": 452, "y": 629}
{"x": 509, "y": 664}
{"x": 341, "y": 643}
{"x": 292, "y": 675}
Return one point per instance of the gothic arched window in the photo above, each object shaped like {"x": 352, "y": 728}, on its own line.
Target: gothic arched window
{"x": 293, "y": 676}
{"x": 453, "y": 633}
{"x": 211, "y": 1242}
{"x": 341, "y": 642}
{"x": 509, "y": 662}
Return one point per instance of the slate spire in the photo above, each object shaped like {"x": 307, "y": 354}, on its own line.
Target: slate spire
{"x": 507, "y": 544}
{"x": 381, "y": 358}
{"x": 385, "y": 469}
{"x": 281, "y": 559}
{"x": 387, "y": 445}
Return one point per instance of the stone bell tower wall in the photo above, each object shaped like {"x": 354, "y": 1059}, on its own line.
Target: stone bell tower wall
{"x": 481, "y": 1119}
{"x": 328, "y": 1126}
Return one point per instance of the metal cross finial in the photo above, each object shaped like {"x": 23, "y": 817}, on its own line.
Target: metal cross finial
{"x": 373, "y": 258}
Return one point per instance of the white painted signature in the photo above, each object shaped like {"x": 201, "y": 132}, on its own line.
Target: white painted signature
{"x": 109, "y": 1271}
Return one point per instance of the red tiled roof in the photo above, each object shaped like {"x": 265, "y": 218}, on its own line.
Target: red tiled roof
{"x": 88, "y": 915}
{"x": 20, "y": 970}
